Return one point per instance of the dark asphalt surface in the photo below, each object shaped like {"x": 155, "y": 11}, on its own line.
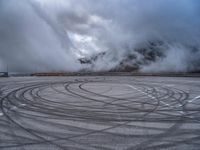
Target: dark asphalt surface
{"x": 103, "y": 113}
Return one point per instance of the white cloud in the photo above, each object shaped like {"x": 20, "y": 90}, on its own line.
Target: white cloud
{"x": 62, "y": 30}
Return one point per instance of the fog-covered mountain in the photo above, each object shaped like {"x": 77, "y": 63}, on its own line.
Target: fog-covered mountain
{"x": 104, "y": 35}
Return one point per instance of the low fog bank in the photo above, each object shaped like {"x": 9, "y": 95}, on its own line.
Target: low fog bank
{"x": 74, "y": 35}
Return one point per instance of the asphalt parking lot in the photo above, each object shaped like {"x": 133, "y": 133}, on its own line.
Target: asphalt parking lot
{"x": 100, "y": 112}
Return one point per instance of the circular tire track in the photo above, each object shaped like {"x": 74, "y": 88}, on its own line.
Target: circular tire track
{"x": 99, "y": 113}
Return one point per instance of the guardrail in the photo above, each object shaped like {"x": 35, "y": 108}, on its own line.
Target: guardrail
{"x": 118, "y": 74}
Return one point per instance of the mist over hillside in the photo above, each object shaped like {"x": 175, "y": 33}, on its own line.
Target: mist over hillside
{"x": 104, "y": 35}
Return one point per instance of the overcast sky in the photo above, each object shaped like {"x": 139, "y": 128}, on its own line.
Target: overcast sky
{"x": 50, "y": 35}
